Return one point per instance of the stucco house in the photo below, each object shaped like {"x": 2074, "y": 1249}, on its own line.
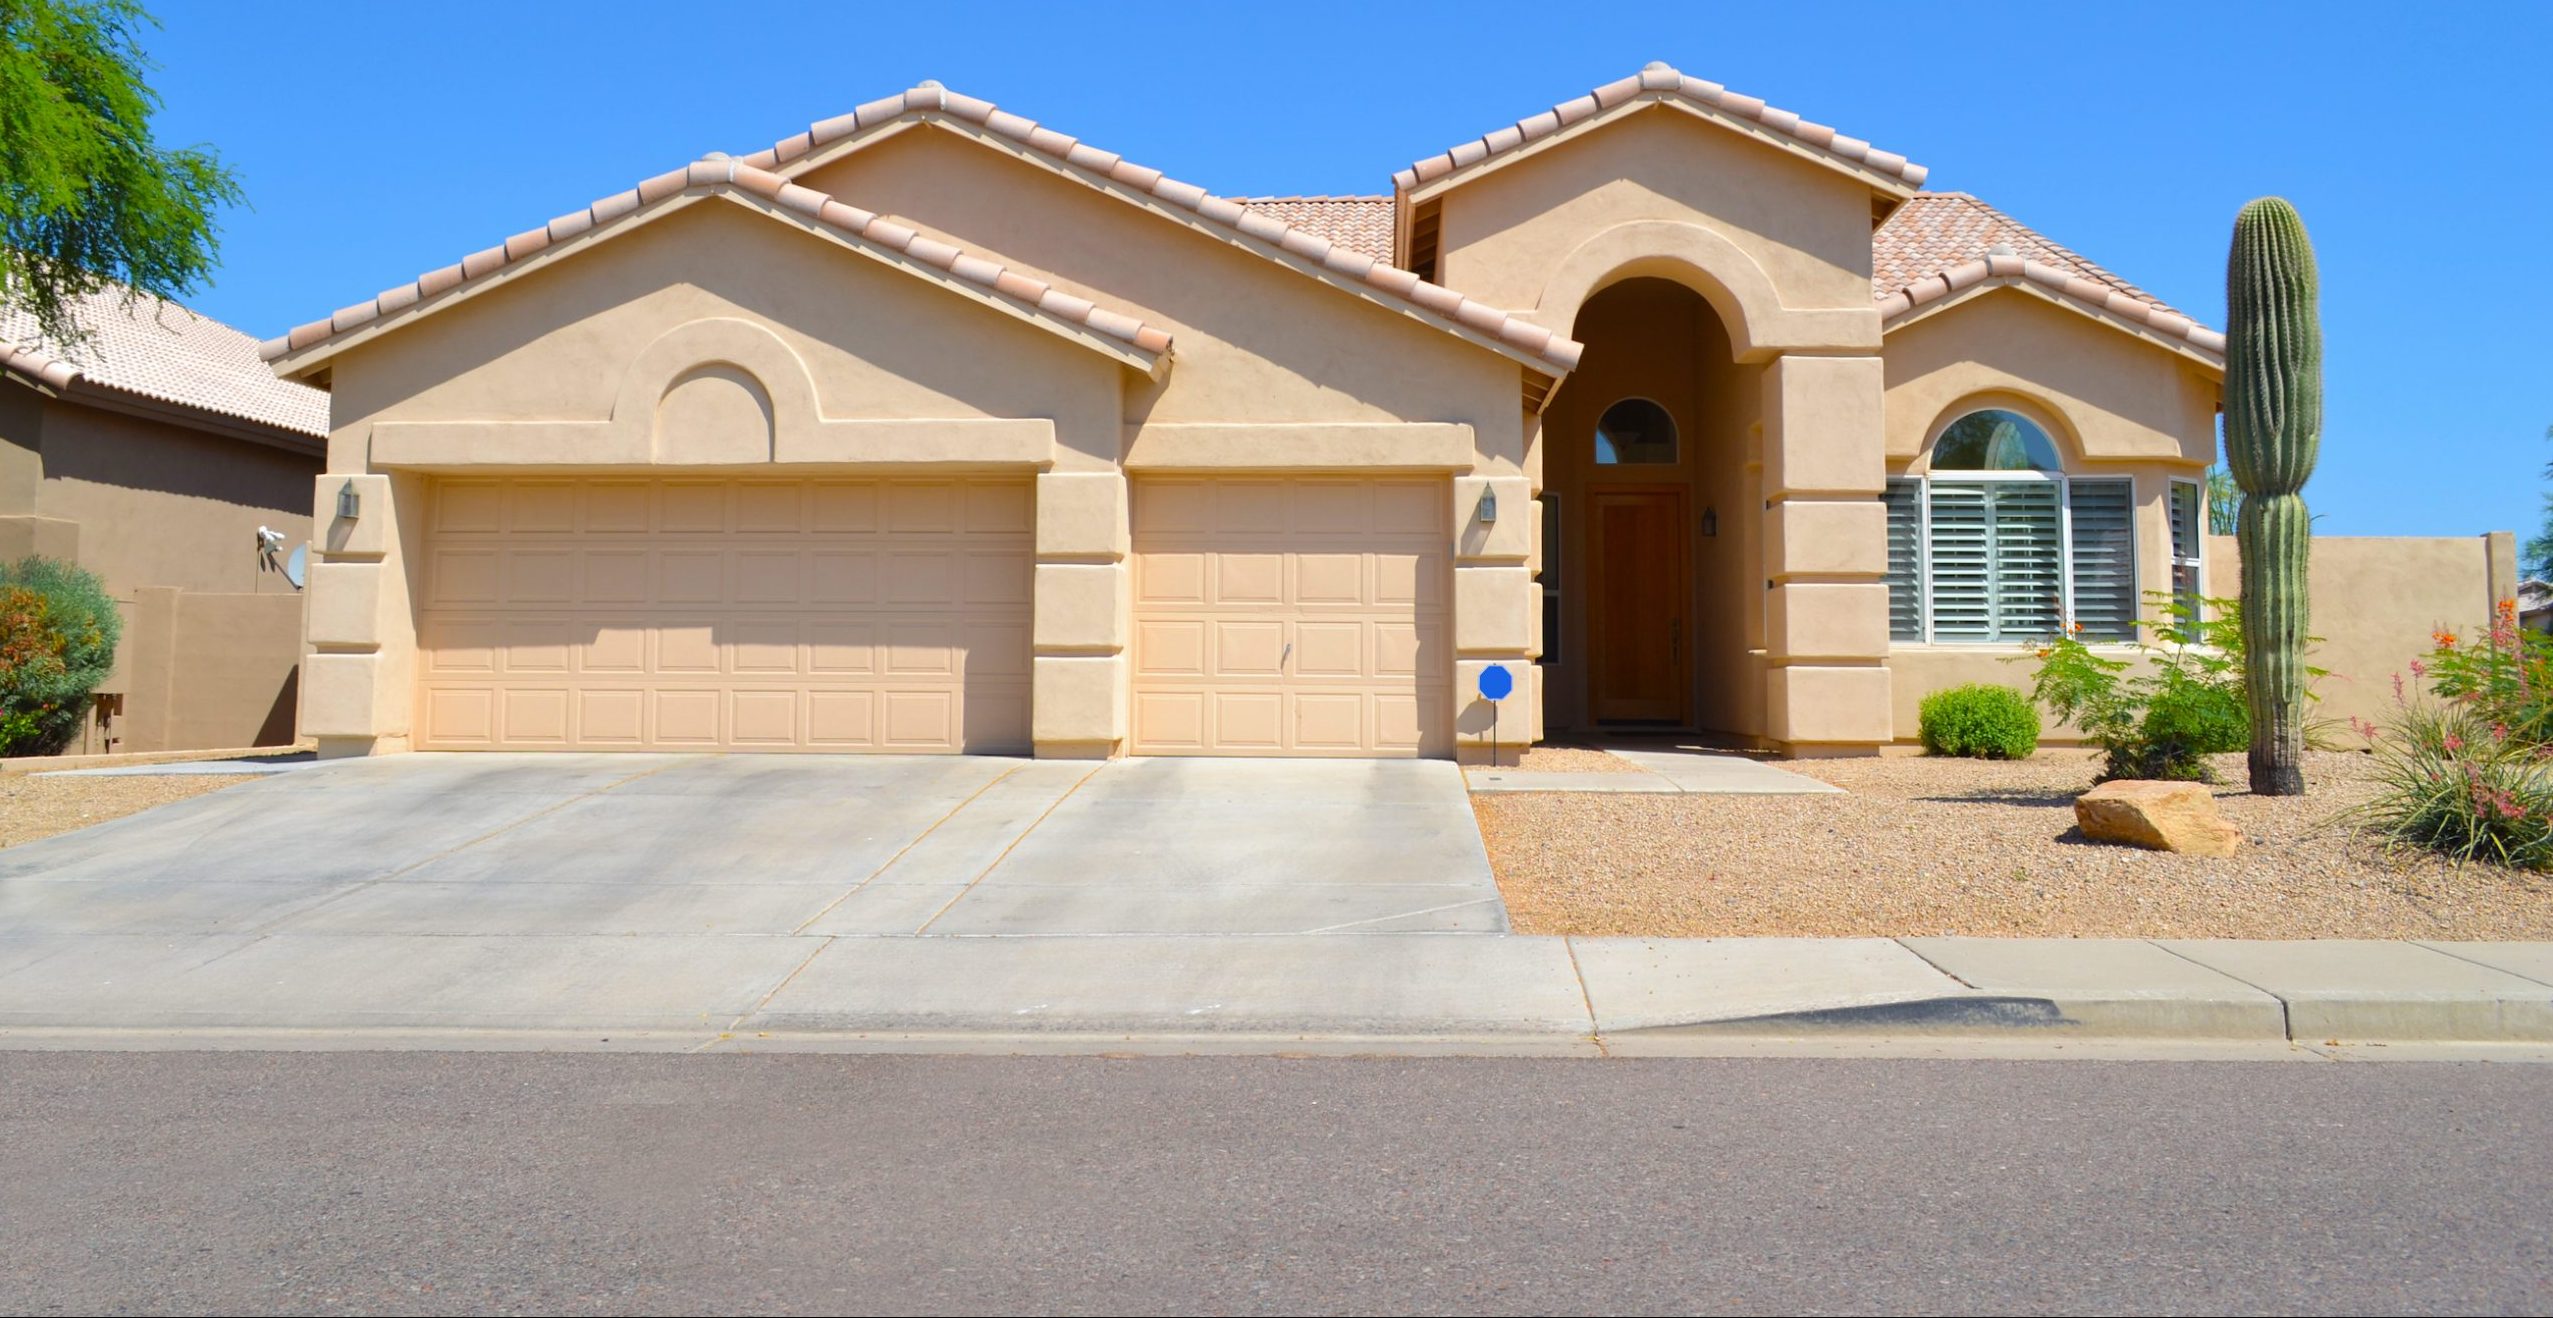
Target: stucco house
{"x": 151, "y": 452}
{"x": 931, "y": 428}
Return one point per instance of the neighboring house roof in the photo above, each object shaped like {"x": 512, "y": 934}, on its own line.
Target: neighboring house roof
{"x": 307, "y": 344}
{"x": 1360, "y": 224}
{"x": 1661, "y": 83}
{"x": 1257, "y": 230}
{"x": 155, "y": 350}
{"x": 1941, "y": 246}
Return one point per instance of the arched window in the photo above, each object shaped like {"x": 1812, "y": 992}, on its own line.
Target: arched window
{"x": 1996, "y": 544}
{"x": 1635, "y": 431}
{"x": 1995, "y": 440}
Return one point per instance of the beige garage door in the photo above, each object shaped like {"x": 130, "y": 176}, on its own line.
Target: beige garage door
{"x": 1291, "y": 616}
{"x": 725, "y": 615}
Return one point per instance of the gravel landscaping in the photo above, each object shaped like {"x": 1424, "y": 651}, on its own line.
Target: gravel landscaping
{"x": 1572, "y": 759}
{"x": 36, "y": 806}
{"x": 1981, "y": 848}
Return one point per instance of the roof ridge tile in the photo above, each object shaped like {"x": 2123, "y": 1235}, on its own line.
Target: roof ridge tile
{"x": 724, "y": 176}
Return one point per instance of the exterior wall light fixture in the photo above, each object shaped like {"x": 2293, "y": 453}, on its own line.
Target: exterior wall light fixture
{"x": 1488, "y": 505}
{"x": 349, "y": 503}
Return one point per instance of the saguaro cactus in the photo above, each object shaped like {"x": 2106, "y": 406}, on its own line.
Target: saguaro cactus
{"x": 2273, "y": 430}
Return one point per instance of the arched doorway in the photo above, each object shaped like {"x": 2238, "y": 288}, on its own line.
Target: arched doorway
{"x": 1650, "y": 508}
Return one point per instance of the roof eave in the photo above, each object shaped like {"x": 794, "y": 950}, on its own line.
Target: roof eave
{"x": 1339, "y": 267}
{"x": 2196, "y": 344}
{"x": 1885, "y": 172}
{"x": 364, "y": 326}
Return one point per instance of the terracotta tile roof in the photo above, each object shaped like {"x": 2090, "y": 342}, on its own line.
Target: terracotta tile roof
{"x": 163, "y": 352}
{"x": 1360, "y": 224}
{"x": 714, "y": 176}
{"x": 1940, "y": 243}
{"x": 1658, "y": 82}
{"x": 1266, "y": 233}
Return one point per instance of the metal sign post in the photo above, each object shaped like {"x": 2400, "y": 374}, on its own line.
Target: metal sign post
{"x": 1496, "y": 684}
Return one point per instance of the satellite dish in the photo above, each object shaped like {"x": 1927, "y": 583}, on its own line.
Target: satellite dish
{"x": 297, "y": 567}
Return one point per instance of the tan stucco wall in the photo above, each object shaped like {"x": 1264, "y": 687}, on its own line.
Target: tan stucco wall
{"x": 1253, "y": 343}
{"x": 1808, "y": 228}
{"x": 167, "y": 514}
{"x": 2115, "y": 399}
{"x": 556, "y": 344}
{"x": 2375, "y": 600}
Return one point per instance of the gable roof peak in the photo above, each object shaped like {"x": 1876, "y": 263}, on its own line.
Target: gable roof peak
{"x": 1253, "y": 228}
{"x": 1659, "y": 82}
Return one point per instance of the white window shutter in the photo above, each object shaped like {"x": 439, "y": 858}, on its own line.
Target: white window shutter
{"x": 1905, "y": 560}
{"x": 2103, "y": 514}
{"x": 1962, "y": 566}
{"x": 2029, "y": 560}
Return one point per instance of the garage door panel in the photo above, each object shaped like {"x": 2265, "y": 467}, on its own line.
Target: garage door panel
{"x": 611, "y": 718}
{"x": 699, "y": 614}
{"x": 1291, "y": 616}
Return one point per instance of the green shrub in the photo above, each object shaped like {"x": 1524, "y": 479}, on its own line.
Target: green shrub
{"x": 1980, "y": 721}
{"x": 58, "y": 630}
{"x": 2455, "y": 782}
{"x": 2188, "y": 702}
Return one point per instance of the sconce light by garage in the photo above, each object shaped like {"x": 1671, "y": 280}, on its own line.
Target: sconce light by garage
{"x": 1710, "y": 522}
{"x": 1488, "y": 505}
{"x": 349, "y": 503}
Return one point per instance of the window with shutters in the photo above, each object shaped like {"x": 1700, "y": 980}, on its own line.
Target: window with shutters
{"x": 1997, "y": 544}
{"x": 2189, "y": 509}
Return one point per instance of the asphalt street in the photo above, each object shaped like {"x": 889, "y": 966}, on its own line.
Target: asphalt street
{"x": 490, "y": 1182}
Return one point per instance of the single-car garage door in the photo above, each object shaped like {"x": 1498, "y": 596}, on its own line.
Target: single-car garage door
{"x": 641, "y": 614}
{"x": 1291, "y": 616}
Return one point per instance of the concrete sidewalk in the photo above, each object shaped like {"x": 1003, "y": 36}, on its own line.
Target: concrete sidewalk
{"x": 1439, "y": 991}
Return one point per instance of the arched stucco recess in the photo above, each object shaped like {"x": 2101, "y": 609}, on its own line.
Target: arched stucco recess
{"x": 1759, "y": 326}
{"x": 800, "y": 432}
{"x": 720, "y": 341}
{"x": 2050, "y": 417}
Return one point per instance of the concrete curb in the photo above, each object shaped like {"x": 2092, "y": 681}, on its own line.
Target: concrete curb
{"x": 1278, "y": 994}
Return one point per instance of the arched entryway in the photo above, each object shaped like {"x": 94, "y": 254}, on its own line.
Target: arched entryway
{"x": 1652, "y": 501}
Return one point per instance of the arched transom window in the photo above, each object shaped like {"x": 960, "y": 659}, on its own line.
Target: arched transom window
{"x": 1996, "y": 543}
{"x": 1635, "y": 432}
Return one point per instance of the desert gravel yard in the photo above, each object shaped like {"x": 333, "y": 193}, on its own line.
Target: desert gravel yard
{"x": 36, "y": 806}
{"x": 1941, "y": 846}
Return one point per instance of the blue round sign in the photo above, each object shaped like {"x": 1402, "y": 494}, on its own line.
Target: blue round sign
{"x": 1496, "y": 683}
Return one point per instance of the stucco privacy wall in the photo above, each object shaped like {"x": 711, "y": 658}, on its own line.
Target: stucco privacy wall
{"x": 751, "y": 346}
{"x": 2375, "y": 602}
{"x": 167, "y": 515}
{"x": 1273, "y": 372}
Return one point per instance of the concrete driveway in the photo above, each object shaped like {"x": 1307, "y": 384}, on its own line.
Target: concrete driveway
{"x": 568, "y": 845}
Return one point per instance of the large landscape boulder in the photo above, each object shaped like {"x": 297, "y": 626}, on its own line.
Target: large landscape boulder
{"x": 2157, "y": 815}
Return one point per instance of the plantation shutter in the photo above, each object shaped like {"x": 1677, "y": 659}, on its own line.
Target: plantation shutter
{"x": 1905, "y": 559}
{"x": 2104, "y": 545}
{"x": 1962, "y": 576}
{"x": 2029, "y": 560}
{"x": 2185, "y": 542}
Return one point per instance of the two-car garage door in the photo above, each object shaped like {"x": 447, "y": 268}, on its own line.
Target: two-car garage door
{"x": 882, "y": 615}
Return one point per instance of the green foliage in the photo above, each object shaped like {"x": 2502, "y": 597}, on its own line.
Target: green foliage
{"x": 2465, "y": 765}
{"x": 2537, "y": 555}
{"x": 2454, "y": 783}
{"x": 2161, "y": 716}
{"x": 58, "y": 630}
{"x": 2224, "y": 502}
{"x": 2273, "y": 433}
{"x": 1980, "y": 721}
{"x": 86, "y": 197}
{"x": 2503, "y": 678}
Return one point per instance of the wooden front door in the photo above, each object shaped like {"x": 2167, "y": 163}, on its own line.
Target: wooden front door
{"x": 1636, "y": 615}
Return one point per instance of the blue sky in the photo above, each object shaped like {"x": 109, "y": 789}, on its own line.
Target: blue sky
{"x": 377, "y": 141}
